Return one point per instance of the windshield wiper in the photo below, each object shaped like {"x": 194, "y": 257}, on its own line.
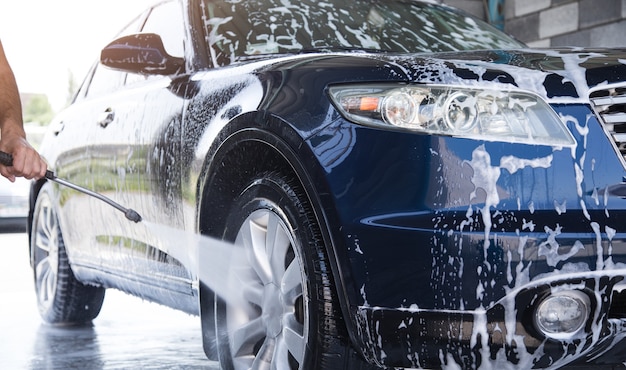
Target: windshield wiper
{"x": 323, "y": 49}
{"x": 333, "y": 48}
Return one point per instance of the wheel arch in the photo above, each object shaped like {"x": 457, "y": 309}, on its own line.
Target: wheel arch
{"x": 269, "y": 145}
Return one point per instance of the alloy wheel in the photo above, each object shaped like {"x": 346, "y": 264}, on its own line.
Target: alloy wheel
{"x": 268, "y": 329}
{"x": 46, "y": 263}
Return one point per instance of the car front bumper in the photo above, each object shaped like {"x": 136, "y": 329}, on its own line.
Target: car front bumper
{"x": 503, "y": 335}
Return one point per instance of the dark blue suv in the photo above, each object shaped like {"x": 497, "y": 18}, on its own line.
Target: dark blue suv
{"x": 394, "y": 184}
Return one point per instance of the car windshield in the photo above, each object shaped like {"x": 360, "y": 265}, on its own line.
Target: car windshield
{"x": 238, "y": 29}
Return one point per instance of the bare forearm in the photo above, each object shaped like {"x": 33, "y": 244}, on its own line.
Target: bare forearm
{"x": 10, "y": 105}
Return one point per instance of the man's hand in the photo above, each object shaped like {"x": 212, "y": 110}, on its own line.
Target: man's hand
{"x": 26, "y": 161}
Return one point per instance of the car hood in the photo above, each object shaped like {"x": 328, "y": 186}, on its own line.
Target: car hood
{"x": 558, "y": 75}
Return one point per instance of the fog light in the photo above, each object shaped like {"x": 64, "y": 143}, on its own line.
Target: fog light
{"x": 561, "y": 315}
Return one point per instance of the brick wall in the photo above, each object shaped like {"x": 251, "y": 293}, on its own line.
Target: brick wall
{"x": 552, "y": 23}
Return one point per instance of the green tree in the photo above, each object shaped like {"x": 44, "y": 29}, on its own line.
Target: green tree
{"x": 38, "y": 110}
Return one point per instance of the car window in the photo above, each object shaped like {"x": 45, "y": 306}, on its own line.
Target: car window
{"x": 240, "y": 29}
{"x": 166, "y": 20}
{"x": 105, "y": 80}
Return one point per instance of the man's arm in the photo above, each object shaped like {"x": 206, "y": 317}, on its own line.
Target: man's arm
{"x": 26, "y": 161}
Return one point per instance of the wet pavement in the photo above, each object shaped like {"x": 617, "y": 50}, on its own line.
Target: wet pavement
{"x": 128, "y": 334}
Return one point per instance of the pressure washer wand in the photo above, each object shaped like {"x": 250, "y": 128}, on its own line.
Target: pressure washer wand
{"x": 7, "y": 160}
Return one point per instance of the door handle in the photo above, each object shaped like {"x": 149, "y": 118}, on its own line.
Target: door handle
{"x": 106, "y": 117}
{"x": 57, "y": 127}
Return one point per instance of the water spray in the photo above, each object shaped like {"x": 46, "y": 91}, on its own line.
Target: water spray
{"x": 7, "y": 160}
{"x": 219, "y": 260}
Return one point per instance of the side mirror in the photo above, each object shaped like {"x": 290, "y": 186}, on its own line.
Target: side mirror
{"x": 141, "y": 53}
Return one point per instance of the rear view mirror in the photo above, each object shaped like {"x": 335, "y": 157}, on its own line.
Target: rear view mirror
{"x": 142, "y": 53}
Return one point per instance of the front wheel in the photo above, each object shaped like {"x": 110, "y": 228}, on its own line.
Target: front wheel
{"x": 61, "y": 298}
{"x": 289, "y": 315}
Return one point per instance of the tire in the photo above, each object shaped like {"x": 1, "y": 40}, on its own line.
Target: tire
{"x": 61, "y": 298}
{"x": 289, "y": 317}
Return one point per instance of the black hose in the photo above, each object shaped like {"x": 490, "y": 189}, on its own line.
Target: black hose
{"x": 7, "y": 160}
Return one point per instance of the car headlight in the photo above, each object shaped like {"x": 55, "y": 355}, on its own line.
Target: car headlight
{"x": 483, "y": 114}
{"x": 562, "y": 315}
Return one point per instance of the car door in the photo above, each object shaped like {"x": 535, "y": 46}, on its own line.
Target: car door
{"x": 139, "y": 151}
{"x": 126, "y": 147}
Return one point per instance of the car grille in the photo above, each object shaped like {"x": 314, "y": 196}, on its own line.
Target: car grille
{"x": 610, "y": 105}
